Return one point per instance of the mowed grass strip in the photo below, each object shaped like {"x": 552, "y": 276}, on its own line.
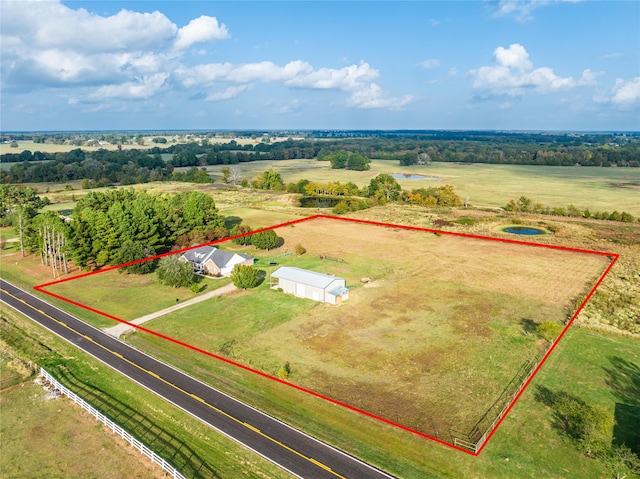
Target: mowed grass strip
{"x": 526, "y": 445}
{"x": 32, "y": 422}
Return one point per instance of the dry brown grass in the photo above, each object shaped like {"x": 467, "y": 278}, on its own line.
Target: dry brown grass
{"x": 440, "y": 329}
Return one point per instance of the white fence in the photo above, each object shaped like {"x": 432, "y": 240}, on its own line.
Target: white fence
{"x": 172, "y": 471}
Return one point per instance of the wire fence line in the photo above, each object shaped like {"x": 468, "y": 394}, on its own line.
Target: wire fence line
{"x": 155, "y": 458}
{"x": 477, "y": 436}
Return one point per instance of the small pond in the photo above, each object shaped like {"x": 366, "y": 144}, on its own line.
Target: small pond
{"x": 319, "y": 201}
{"x": 524, "y": 230}
{"x": 407, "y": 176}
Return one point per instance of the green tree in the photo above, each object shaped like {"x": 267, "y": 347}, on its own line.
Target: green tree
{"x": 589, "y": 426}
{"x": 197, "y": 175}
{"x": 338, "y": 159}
{"x": 384, "y": 187}
{"x": 358, "y": 162}
{"x": 265, "y": 239}
{"x": 548, "y": 330}
{"x": 241, "y": 229}
{"x": 244, "y": 276}
{"x": 269, "y": 180}
{"x": 621, "y": 462}
{"x": 12, "y": 196}
{"x": 133, "y": 251}
{"x": 172, "y": 271}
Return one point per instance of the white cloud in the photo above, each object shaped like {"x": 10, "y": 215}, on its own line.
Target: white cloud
{"x": 512, "y": 74}
{"x": 228, "y": 93}
{"x": 355, "y": 79}
{"x": 132, "y": 55}
{"x": 431, "y": 63}
{"x": 372, "y": 96}
{"x": 626, "y": 93}
{"x": 141, "y": 88}
{"x": 522, "y": 9}
{"x": 45, "y": 43}
{"x": 609, "y": 56}
{"x": 201, "y": 29}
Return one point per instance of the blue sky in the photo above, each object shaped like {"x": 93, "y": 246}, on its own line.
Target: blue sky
{"x": 514, "y": 65}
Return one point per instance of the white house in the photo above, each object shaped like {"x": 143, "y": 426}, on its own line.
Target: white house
{"x": 213, "y": 261}
{"x": 309, "y": 284}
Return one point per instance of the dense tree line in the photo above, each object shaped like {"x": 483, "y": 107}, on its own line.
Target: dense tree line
{"x": 100, "y": 167}
{"x": 149, "y": 224}
{"x": 344, "y": 151}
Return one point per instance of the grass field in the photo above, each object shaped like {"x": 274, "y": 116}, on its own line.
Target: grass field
{"x": 32, "y": 421}
{"x": 526, "y": 445}
{"x": 129, "y": 296}
{"x": 443, "y": 327}
{"x": 599, "y": 189}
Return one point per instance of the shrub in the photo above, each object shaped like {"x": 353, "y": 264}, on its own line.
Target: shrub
{"x": 244, "y": 276}
{"x": 300, "y": 250}
{"x": 265, "y": 240}
{"x": 548, "y": 330}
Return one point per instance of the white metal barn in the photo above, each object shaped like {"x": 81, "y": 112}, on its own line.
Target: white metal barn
{"x": 309, "y": 284}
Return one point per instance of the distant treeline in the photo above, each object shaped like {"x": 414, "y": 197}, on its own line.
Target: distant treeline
{"x": 143, "y": 165}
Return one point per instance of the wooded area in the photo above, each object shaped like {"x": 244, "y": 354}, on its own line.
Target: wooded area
{"x": 352, "y": 150}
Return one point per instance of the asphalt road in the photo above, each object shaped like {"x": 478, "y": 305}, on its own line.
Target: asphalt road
{"x": 292, "y": 450}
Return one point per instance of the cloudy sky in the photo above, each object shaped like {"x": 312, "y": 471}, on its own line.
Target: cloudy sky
{"x": 520, "y": 65}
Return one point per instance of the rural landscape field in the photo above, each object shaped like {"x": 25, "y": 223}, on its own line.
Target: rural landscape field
{"x": 320, "y": 240}
{"x": 442, "y": 323}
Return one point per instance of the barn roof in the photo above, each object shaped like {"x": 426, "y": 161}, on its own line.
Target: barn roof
{"x": 304, "y": 276}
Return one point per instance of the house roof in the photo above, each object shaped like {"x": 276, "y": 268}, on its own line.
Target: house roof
{"x": 205, "y": 253}
{"x": 304, "y": 276}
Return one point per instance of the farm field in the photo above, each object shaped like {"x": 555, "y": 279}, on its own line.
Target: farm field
{"x": 527, "y": 444}
{"x": 443, "y": 326}
{"x": 599, "y": 189}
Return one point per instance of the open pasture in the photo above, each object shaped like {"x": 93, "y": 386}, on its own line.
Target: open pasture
{"x": 599, "y": 189}
{"x": 429, "y": 344}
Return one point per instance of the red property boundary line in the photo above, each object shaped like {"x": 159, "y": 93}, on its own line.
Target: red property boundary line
{"x": 612, "y": 256}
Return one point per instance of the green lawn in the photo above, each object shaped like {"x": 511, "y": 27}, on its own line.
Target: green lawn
{"x": 129, "y": 296}
{"x": 526, "y": 444}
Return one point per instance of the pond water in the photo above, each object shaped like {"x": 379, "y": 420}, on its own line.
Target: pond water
{"x": 524, "y": 230}
{"x": 319, "y": 201}
{"x": 402, "y": 176}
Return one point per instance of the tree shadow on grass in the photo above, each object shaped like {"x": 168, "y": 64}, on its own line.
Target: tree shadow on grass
{"x": 624, "y": 381}
{"x": 163, "y": 443}
{"x": 528, "y": 325}
{"x": 231, "y": 221}
{"x": 560, "y": 402}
